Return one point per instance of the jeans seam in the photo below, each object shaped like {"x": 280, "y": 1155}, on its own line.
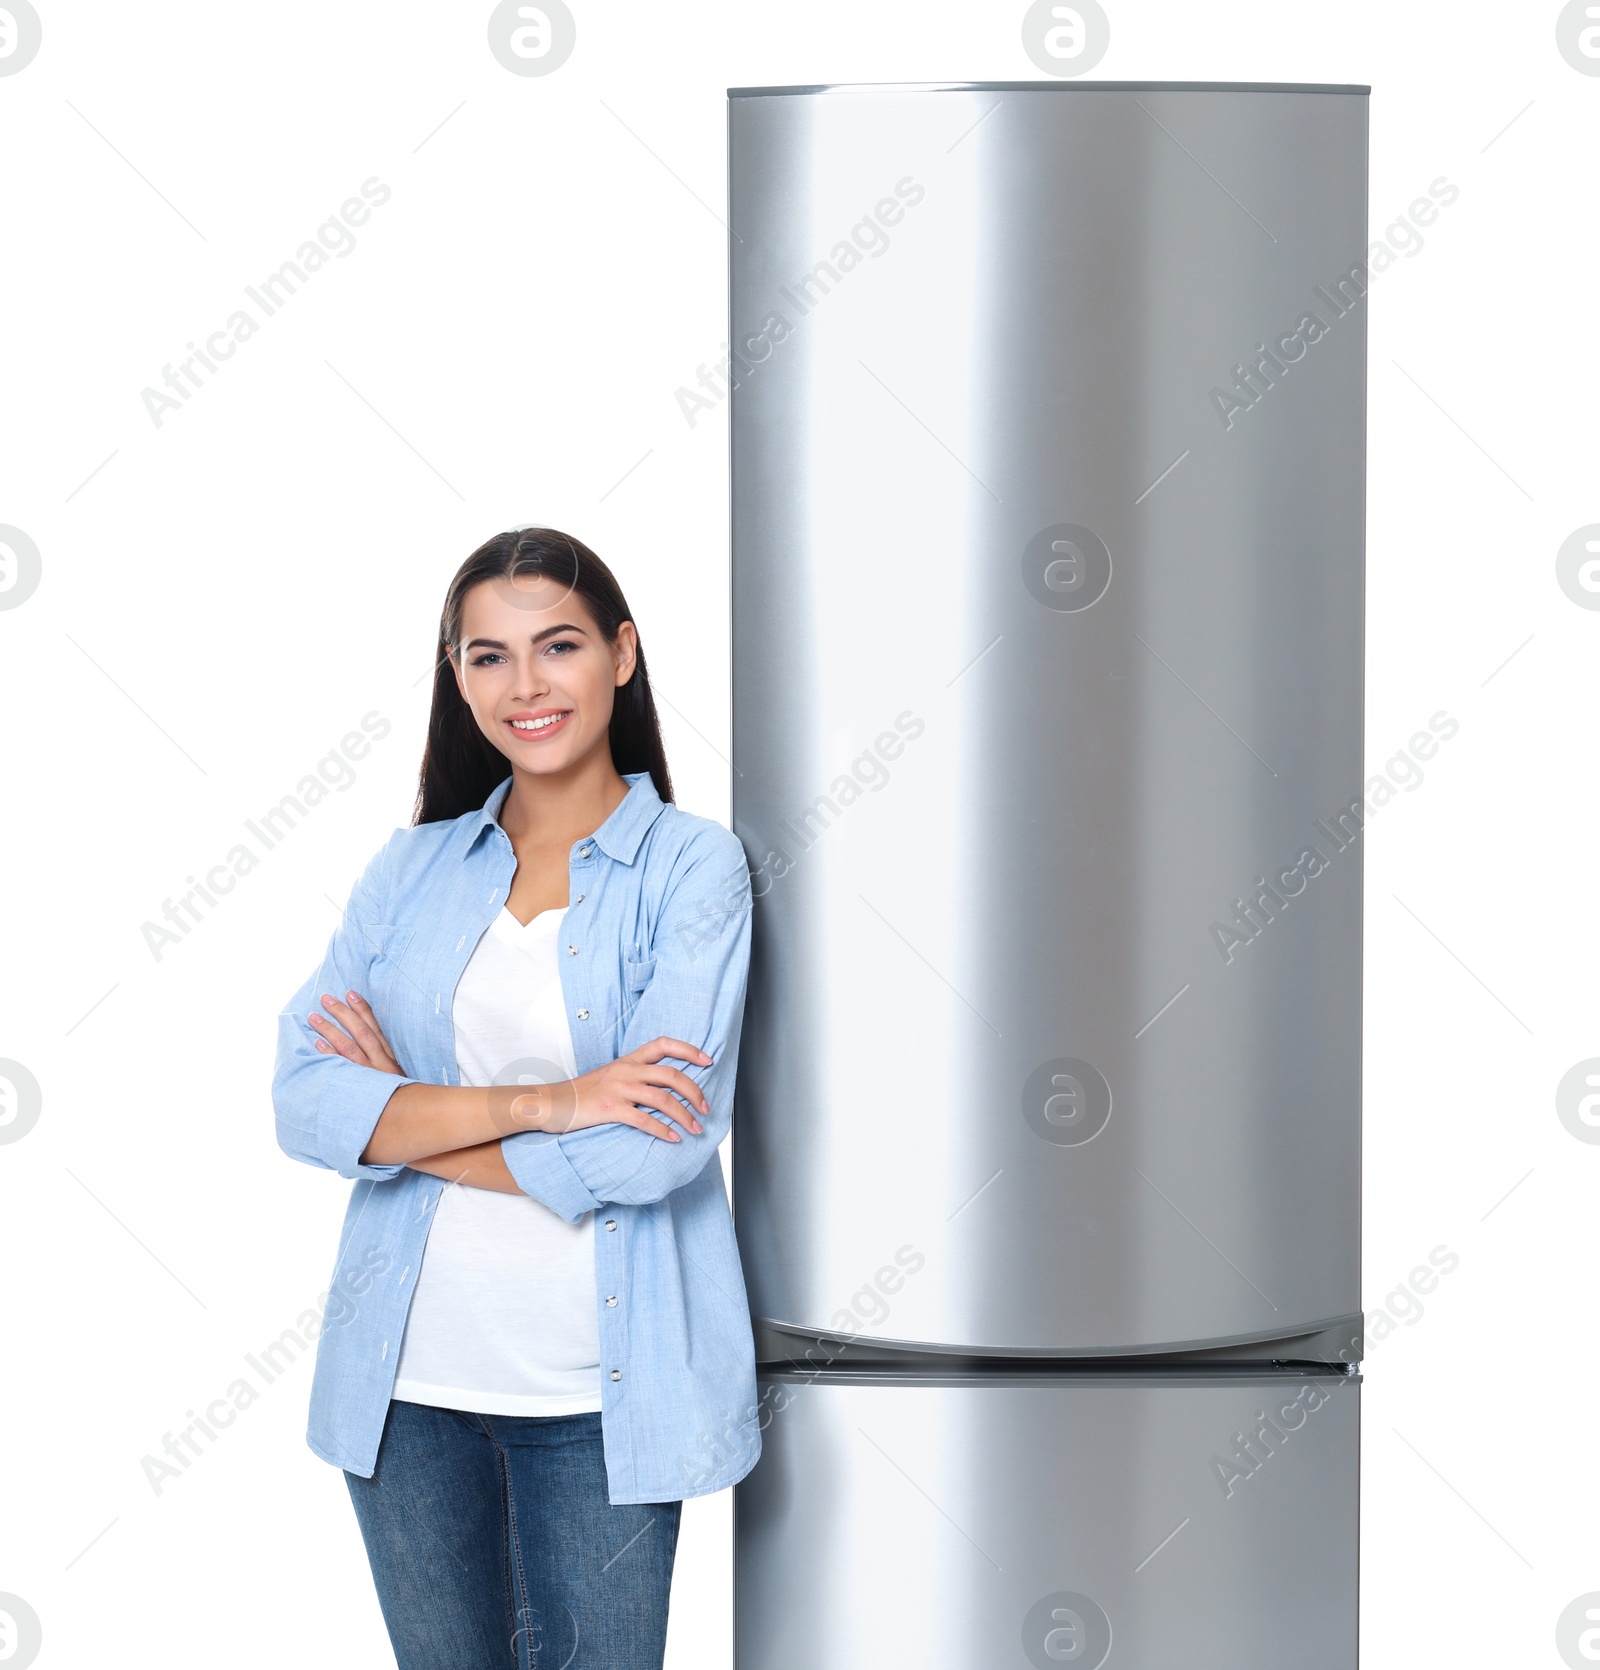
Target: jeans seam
{"x": 521, "y": 1604}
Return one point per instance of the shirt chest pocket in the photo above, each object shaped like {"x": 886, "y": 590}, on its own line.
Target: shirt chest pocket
{"x": 636, "y": 972}
{"x": 385, "y": 944}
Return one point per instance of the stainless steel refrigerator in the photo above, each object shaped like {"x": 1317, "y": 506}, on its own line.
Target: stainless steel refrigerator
{"x": 1047, "y": 414}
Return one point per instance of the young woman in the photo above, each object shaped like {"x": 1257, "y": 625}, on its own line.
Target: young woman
{"x": 522, "y": 1045}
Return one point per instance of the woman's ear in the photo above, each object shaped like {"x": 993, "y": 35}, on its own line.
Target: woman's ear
{"x": 626, "y": 652}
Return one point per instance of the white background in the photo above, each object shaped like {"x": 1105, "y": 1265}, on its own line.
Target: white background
{"x": 223, "y": 597}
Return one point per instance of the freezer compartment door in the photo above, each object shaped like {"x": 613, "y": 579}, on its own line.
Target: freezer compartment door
{"x": 1156, "y": 1524}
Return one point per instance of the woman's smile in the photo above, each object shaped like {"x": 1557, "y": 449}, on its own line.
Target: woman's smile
{"x": 539, "y": 723}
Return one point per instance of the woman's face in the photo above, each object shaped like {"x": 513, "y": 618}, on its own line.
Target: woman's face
{"x": 535, "y": 671}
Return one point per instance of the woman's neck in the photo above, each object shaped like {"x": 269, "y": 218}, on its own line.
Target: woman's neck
{"x": 554, "y": 809}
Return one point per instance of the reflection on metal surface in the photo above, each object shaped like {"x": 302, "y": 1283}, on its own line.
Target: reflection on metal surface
{"x": 984, "y": 479}
{"x": 1208, "y": 1523}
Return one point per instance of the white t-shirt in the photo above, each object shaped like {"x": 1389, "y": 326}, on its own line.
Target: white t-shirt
{"x": 503, "y": 1318}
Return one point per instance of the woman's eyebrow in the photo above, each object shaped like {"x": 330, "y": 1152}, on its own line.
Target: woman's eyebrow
{"x": 538, "y": 637}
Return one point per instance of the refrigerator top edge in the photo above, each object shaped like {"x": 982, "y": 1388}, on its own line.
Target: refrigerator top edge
{"x": 1050, "y": 87}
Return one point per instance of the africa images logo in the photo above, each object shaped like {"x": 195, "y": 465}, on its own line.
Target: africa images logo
{"x": 20, "y": 567}
{"x": 21, "y": 1102}
{"x": 20, "y": 37}
{"x": 1578, "y": 41}
{"x": 1066, "y": 1628}
{"x": 532, "y": 40}
{"x": 1066, "y": 40}
{"x": 20, "y": 1633}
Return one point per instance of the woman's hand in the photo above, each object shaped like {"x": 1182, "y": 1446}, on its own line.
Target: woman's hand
{"x": 610, "y": 1095}
{"x": 423, "y": 1120}
{"x": 362, "y": 1039}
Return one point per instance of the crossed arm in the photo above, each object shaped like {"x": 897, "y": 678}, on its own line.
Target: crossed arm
{"x": 357, "y": 1112}
{"x": 455, "y": 1131}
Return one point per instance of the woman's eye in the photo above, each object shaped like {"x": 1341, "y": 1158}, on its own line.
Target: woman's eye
{"x": 485, "y": 659}
{"x": 562, "y": 643}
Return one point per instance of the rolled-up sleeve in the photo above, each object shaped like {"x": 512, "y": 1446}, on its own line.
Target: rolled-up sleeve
{"x": 701, "y": 951}
{"x": 326, "y": 1107}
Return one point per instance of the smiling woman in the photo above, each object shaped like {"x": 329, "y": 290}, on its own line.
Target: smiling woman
{"x": 561, "y": 1318}
{"x": 509, "y": 591}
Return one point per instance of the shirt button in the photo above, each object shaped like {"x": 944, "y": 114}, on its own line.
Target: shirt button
{"x": 616, "y": 1374}
{"x": 579, "y": 899}
{"x": 583, "y": 852}
{"x": 611, "y": 1223}
{"x": 612, "y": 1300}
{"x": 583, "y": 1014}
{"x": 572, "y": 950}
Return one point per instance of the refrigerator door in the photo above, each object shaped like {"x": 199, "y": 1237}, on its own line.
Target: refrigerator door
{"x": 1156, "y": 1524}
{"x": 1047, "y": 633}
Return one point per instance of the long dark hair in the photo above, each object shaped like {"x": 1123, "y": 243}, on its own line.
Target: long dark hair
{"x": 460, "y": 766}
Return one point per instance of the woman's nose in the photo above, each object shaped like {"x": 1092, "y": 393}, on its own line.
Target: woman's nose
{"x": 530, "y": 682}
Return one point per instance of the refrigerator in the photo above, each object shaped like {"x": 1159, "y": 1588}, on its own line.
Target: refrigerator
{"x": 1046, "y": 405}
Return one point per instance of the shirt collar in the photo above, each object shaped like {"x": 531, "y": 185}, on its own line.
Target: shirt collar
{"x": 618, "y": 837}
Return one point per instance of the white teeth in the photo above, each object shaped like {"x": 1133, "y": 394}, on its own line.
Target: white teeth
{"x": 536, "y": 724}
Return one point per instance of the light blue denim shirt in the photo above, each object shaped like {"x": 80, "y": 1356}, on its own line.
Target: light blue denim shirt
{"x": 658, "y": 927}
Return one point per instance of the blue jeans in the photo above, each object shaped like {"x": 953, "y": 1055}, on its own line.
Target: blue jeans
{"x": 494, "y": 1545}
